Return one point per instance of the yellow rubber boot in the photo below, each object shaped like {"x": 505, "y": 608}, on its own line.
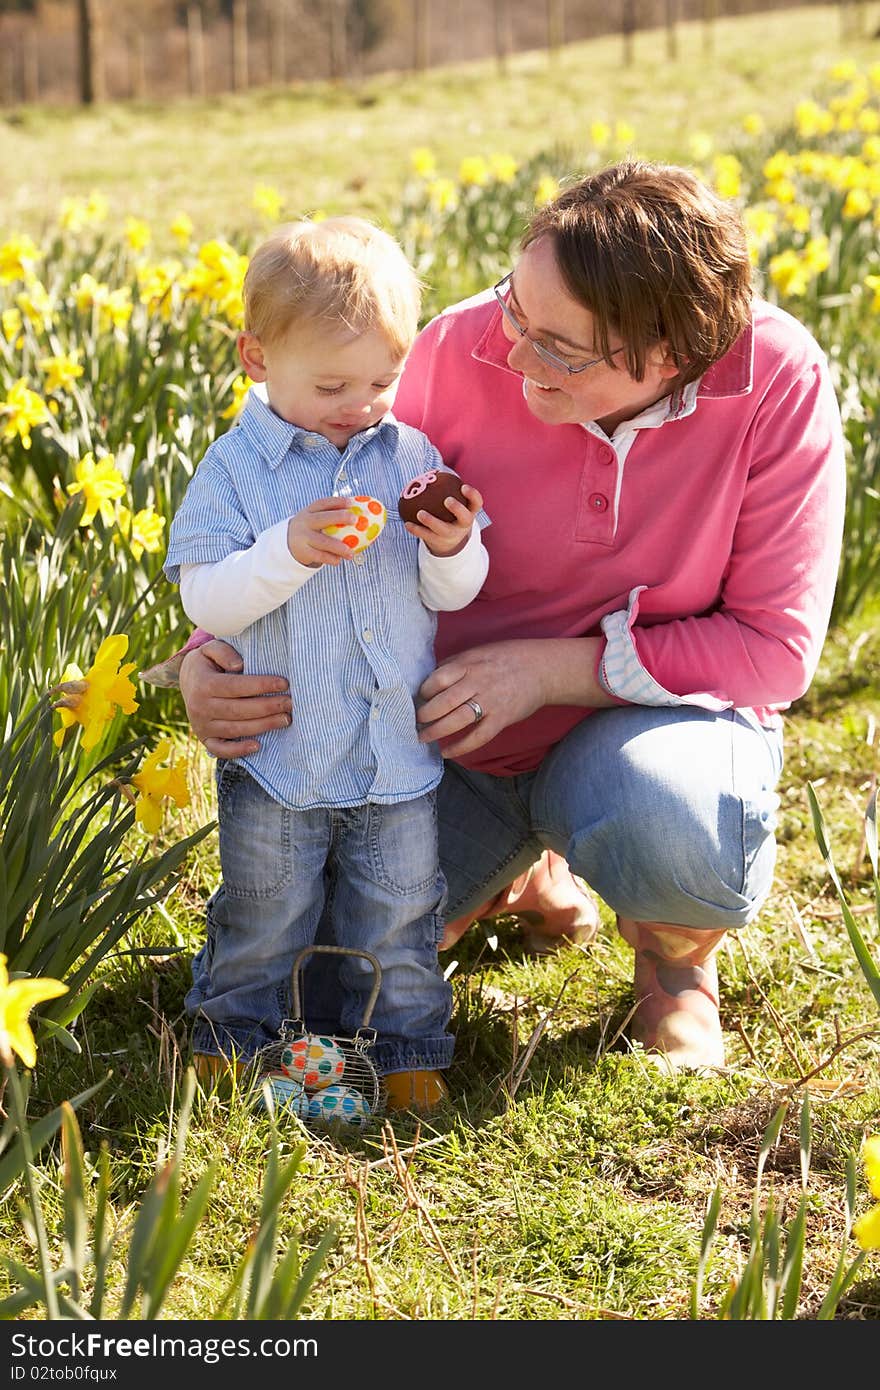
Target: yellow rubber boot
{"x": 415, "y": 1090}
{"x": 676, "y": 991}
{"x": 214, "y": 1071}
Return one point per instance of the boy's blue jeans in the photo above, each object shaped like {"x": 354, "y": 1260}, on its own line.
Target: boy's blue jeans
{"x": 373, "y": 872}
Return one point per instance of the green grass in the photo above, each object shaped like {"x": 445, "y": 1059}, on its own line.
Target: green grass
{"x": 346, "y": 148}
{"x": 581, "y": 1192}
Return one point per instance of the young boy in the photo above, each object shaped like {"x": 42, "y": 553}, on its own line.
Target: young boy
{"x": 335, "y": 814}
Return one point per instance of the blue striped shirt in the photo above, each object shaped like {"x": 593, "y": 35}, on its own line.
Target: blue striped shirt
{"x": 355, "y": 641}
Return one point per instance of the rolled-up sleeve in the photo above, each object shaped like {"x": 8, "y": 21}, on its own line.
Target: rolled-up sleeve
{"x": 760, "y": 645}
{"x": 210, "y": 523}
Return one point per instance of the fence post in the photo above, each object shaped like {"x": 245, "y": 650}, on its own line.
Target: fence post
{"x": 91, "y": 62}
{"x": 710, "y": 14}
{"x": 420, "y": 35}
{"x": 338, "y": 44}
{"x": 628, "y": 29}
{"x": 137, "y": 63}
{"x": 555, "y": 26}
{"x": 672, "y": 30}
{"x": 240, "y": 45}
{"x": 501, "y": 29}
{"x": 278, "y": 42}
{"x": 195, "y": 49}
{"x": 31, "y": 60}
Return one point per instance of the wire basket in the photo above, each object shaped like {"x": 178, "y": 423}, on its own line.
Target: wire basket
{"x": 330, "y": 1082}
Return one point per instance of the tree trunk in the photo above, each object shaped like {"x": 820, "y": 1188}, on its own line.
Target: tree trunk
{"x": 501, "y": 28}
{"x": 555, "y": 26}
{"x": 31, "y": 61}
{"x": 338, "y": 44}
{"x": 137, "y": 64}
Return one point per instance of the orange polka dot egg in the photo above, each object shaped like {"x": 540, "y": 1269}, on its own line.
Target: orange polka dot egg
{"x": 370, "y": 518}
{"x": 314, "y": 1061}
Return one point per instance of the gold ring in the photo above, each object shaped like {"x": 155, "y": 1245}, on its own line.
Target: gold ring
{"x": 477, "y": 709}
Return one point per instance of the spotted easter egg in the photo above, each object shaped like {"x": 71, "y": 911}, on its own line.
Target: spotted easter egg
{"x": 370, "y": 518}
{"x": 339, "y": 1104}
{"x": 313, "y": 1061}
{"x": 286, "y": 1093}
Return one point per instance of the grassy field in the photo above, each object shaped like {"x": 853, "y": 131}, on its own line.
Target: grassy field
{"x": 347, "y": 148}
{"x": 567, "y": 1179}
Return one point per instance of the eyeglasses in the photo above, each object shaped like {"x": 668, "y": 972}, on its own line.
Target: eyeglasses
{"x": 546, "y": 355}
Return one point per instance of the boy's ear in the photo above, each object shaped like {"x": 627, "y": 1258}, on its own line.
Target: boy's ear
{"x": 250, "y": 354}
{"x": 664, "y": 358}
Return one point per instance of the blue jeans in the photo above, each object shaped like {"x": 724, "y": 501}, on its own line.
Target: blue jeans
{"x": 373, "y": 872}
{"x": 668, "y": 814}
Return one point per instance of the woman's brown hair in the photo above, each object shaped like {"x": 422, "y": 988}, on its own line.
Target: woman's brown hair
{"x": 657, "y": 257}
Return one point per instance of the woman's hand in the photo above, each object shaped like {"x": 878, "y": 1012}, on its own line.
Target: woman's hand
{"x": 506, "y": 680}
{"x": 226, "y": 708}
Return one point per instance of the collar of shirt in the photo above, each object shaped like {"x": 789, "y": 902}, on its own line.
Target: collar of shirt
{"x": 273, "y": 437}
{"x": 731, "y": 375}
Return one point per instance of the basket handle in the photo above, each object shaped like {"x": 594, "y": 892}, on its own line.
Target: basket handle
{"x": 307, "y": 951}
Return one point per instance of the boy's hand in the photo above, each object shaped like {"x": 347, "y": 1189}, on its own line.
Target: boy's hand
{"x": 306, "y": 540}
{"x": 448, "y": 537}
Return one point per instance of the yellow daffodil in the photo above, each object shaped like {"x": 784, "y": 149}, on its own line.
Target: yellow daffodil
{"x": 35, "y": 303}
{"x": 858, "y": 204}
{"x": 753, "y": 124}
{"x": 442, "y": 195}
{"x": 873, "y": 284}
{"x": 240, "y": 387}
{"x": 868, "y": 120}
{"x": 600, "y": 134}
{"x": 137, "y": 233}
{"x": 798, "y": 217}
{"x": 116, "y": 309}
{"x": 156, "y": 285}
{"x": 871, "y": 1161}
{"x": 546, "y": 191}
{"x": 20, "y": 412}
{"x": 181, "y": 228}
{"x": 102, "y": 484}
{"x": 700, "y": 145}
{"x": 727, "y": 175}
{"x": 92, "y": 698}
{"x": 789, "y": 273}
{"x": 817, "y": 254}
{"x": 268, "y": 202}
{"x": 18, "y": 256}
{"x": 844, "y": 71}
{"x": 473, "y": 171}
{"x": 423, "y": 162}
{"x": 143, "y": 530}
{"x": 624, "y": 133}
{"x": 154, "y": 783}
{"x": 60, "y": 372}
{"x": 17, "y": 998}
{"x": 12, "y": 323}
{"x": 88, "y": 292}
{"x": 503, "y": 168}
{"x": 867, "y": 1229}
{"x": 217, "y": 278}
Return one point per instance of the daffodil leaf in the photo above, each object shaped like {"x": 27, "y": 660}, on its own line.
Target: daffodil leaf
{"x": 13, "y": 1161}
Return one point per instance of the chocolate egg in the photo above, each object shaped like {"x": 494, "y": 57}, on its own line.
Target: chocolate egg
{"x": 428, "y": 492}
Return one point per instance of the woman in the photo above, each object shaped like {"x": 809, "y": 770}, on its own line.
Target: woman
{"x": 662, "y": 456}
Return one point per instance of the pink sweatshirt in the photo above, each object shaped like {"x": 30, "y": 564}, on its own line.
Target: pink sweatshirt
{"x": 703, "y": 539}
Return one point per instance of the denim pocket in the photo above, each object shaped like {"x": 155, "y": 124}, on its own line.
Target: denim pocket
{"x": 403, "y": 844}
{"x": 255, "y": 831}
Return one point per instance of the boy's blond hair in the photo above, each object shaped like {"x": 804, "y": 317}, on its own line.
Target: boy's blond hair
{"x": 344, "y": 272}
